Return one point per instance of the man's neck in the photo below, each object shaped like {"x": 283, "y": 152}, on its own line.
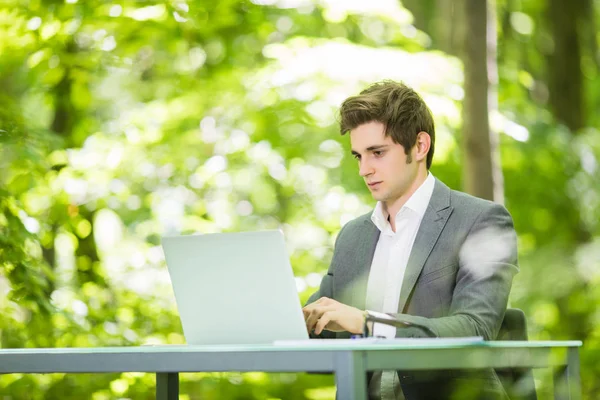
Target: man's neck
{"x": 393, "y": 208}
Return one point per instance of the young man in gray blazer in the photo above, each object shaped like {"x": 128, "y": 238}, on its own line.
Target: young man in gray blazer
{"x": 428, "y": 255}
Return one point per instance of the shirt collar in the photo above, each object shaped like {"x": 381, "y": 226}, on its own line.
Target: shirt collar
{"x": 379, "y": 217}
{"x": 418, "y": 203}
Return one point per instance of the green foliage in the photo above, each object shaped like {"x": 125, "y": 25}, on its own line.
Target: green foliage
{"x": 121, "y": 122}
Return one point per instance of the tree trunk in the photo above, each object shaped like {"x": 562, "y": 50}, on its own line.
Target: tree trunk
{"x": 588, "y": 16}
{"x": 482, "y": 171}
{"x": 423, "y": 12}
{"x": 565, "y": 78}
{"x": 442, "y": 20}
{"x": 449, "y": 27}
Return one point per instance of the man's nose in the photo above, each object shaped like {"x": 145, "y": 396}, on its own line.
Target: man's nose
{"x": 365, "y": 168}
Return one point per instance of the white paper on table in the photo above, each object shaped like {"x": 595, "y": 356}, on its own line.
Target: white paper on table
{"x": 383, "y": 341}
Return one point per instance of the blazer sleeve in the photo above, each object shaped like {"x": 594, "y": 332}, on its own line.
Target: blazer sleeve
{"x": 487, "y": 265}
{"x": 326, "y": 288}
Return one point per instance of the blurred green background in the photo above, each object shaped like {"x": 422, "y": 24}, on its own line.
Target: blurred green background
{"x": 127, "y": 120}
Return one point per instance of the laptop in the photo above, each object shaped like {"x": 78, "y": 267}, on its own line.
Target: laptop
{"x": 234, "y": 288}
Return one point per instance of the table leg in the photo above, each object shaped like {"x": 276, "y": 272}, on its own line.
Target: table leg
{"x": 167, "y": 386}
{"x": 567, "y": 380}
{"x": 350, "y": 375}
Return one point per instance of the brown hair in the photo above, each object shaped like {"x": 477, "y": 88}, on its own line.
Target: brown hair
{"x": 395, "y": 105}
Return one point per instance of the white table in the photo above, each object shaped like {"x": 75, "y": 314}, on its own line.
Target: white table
{"x": 348, "y": 360}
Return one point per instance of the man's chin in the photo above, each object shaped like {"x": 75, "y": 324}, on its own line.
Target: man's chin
{"x": 378, "y": 196}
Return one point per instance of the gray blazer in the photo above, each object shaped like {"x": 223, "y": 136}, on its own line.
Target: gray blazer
{"x": 456, "y": 282}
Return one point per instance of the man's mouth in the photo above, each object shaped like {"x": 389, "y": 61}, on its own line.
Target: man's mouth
{"x": 373, "y": 184}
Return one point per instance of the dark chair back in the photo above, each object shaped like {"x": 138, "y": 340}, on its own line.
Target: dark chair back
{"x": 518, "y": 382}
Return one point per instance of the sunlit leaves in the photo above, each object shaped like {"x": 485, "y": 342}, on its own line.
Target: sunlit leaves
{"x": 198, "y": 117}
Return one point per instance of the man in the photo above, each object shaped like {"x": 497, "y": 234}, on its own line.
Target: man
{"x": 437, "y": 258}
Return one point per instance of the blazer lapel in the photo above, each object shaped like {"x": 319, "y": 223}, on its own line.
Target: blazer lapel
{"x": 437, "y": 213}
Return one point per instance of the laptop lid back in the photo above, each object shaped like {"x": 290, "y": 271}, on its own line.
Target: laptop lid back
{"x": 234, "y": 288}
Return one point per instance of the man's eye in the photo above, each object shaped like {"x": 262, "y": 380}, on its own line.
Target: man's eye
{"x": 378, "y": 153}
{"x": 356, "y": 156}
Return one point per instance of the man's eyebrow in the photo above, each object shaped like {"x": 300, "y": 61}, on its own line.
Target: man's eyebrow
{"x": 372, "y": 148}
{"x": 378, "y": 147}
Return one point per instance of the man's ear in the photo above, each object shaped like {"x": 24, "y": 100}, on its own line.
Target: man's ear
{"x": 422, "y": 145}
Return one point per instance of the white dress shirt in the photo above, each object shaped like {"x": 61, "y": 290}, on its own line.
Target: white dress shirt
{"x": 392, "y": 253}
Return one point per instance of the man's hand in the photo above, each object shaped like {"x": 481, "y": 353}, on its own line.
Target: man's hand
{"x": 332, "y": 315}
